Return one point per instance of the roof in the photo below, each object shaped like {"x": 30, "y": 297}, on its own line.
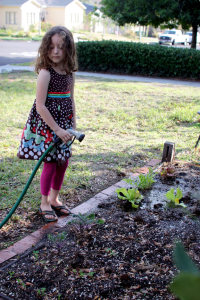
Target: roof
{"x": 42, "y": 2}
{"x": 89, "y": 8}
{"x": 19, "y": 2}
{"x": 57, "y": 2}
{"x": 12, "y": 2}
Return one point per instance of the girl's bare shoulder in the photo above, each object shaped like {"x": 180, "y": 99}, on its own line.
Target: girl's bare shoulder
{"x": 44, "y": 75}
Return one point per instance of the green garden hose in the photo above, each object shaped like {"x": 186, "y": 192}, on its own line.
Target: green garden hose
{"x": 5, "y": 220}
{"x": 76, "y": 135}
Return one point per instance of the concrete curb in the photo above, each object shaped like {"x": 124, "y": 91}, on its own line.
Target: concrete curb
{"x": 86, "y": 207}
{"x": 10, "y": 68}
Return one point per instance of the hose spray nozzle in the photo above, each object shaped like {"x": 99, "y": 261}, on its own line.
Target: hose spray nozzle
{"x": 78, "y": 135}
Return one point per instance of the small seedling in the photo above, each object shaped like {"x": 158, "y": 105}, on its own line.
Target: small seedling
{"x": 11, "y": 273}
{"x": 88, "y": 219}
{"x": 41, "y": 292}
{"x": 21, "y": 283}
{"x": 131, "y": 195}
{"x": 83, "y": 274}
{"x": 51, "y": 237}
{"x": 55, "y": 238}
{"x": 100, "y": 221}
{"x": 111, "y": 252}
{"x": 35, "y": 254}
{"x": 61, "y": 236}
{"x": 174, "y": 198}
{"x": 168, "y": 172}
{"x": 144, "y": 182}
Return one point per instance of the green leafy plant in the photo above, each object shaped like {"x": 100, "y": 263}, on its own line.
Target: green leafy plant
{"x": 144, "y": 182}
{"x": 132, "y": 195}
{"x": 174, "y": 198}
{"x": 186, "y": 285}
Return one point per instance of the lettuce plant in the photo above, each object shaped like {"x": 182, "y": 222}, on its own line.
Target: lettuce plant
{"x": 174, "y": 198}
{"x": 131, "y": 195}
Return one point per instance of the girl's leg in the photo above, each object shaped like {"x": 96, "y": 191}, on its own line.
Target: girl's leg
{"x": 49, "y": 170}
{"x": 56, "y": 184}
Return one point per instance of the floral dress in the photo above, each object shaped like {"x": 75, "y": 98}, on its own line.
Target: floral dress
{"x": 37, "y": 136}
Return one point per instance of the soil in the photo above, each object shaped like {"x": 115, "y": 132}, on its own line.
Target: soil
{"x": 118, "y": 252}
{"x": 24, "y": 221}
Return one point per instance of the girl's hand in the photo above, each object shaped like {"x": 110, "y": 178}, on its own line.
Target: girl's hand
{"x": 64, "y": 135}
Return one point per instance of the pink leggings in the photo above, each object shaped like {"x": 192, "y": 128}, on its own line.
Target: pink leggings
{"x": 52, "y": 177}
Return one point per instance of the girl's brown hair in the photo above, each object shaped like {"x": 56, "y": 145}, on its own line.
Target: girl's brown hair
{"x": 70, "y": 62}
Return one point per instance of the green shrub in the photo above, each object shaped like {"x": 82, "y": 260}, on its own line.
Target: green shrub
{"x": 20, "y": 33}
{"x": 33, "y": 28}
{"x": 136, "y": 58}
{"x": 9, "y": 31}
{"x": 45, "y": 26}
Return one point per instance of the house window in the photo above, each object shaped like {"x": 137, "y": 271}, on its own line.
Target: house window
{"x": 11, "y": 18}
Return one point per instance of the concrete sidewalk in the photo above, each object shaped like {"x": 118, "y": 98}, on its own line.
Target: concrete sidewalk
{"x": 11, "y": 68}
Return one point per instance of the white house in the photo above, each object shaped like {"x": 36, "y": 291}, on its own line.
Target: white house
{"x": 20, "y": 14}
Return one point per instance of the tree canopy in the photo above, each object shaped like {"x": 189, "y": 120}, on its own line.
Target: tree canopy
{"x": 169, "y": 13}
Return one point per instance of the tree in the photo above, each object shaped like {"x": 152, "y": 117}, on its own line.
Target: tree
{"x": 169, "y": 13}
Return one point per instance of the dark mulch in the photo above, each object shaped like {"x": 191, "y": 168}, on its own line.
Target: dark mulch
{"x": 117, "y": 254}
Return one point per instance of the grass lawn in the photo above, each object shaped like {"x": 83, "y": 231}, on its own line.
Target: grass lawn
{"x": 123, "y": 122}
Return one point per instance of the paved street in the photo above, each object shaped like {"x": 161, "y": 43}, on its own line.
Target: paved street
{"x": 12, "y": 52}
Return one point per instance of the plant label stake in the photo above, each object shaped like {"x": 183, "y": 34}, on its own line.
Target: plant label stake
{"x": 168, "y": 152}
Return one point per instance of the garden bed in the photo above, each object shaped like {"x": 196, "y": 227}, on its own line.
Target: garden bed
{"x": 118, "y": 253}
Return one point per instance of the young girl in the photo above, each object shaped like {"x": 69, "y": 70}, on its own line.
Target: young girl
{"x": 53, "y": 112}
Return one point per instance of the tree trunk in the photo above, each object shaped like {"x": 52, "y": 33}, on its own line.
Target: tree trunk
{"x": 194, "y": 36}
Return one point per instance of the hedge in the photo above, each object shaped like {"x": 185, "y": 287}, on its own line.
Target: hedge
{"x": 138, "y": 59}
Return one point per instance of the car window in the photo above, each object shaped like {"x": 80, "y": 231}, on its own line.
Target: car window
{"x": 170, "y": 32}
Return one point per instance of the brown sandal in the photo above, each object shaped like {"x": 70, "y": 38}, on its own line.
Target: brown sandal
{"x": 58, "y": 209}
{"x": 45, "y": 213}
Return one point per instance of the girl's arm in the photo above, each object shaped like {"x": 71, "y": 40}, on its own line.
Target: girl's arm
{"x": 73, "y": 102}
{"x": 41, "y": 95}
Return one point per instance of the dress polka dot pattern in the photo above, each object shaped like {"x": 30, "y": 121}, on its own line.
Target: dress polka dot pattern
{"x": 37, "y": 136}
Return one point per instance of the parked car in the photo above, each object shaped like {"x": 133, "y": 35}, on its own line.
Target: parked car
{"x": 189, "y": 34}
{"x": 172, "y": 37}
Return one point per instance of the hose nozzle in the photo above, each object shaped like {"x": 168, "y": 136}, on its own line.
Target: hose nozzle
{"x": 78, "y": 135}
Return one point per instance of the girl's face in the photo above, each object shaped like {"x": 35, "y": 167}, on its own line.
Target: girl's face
{"x": 56, "y": 51}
